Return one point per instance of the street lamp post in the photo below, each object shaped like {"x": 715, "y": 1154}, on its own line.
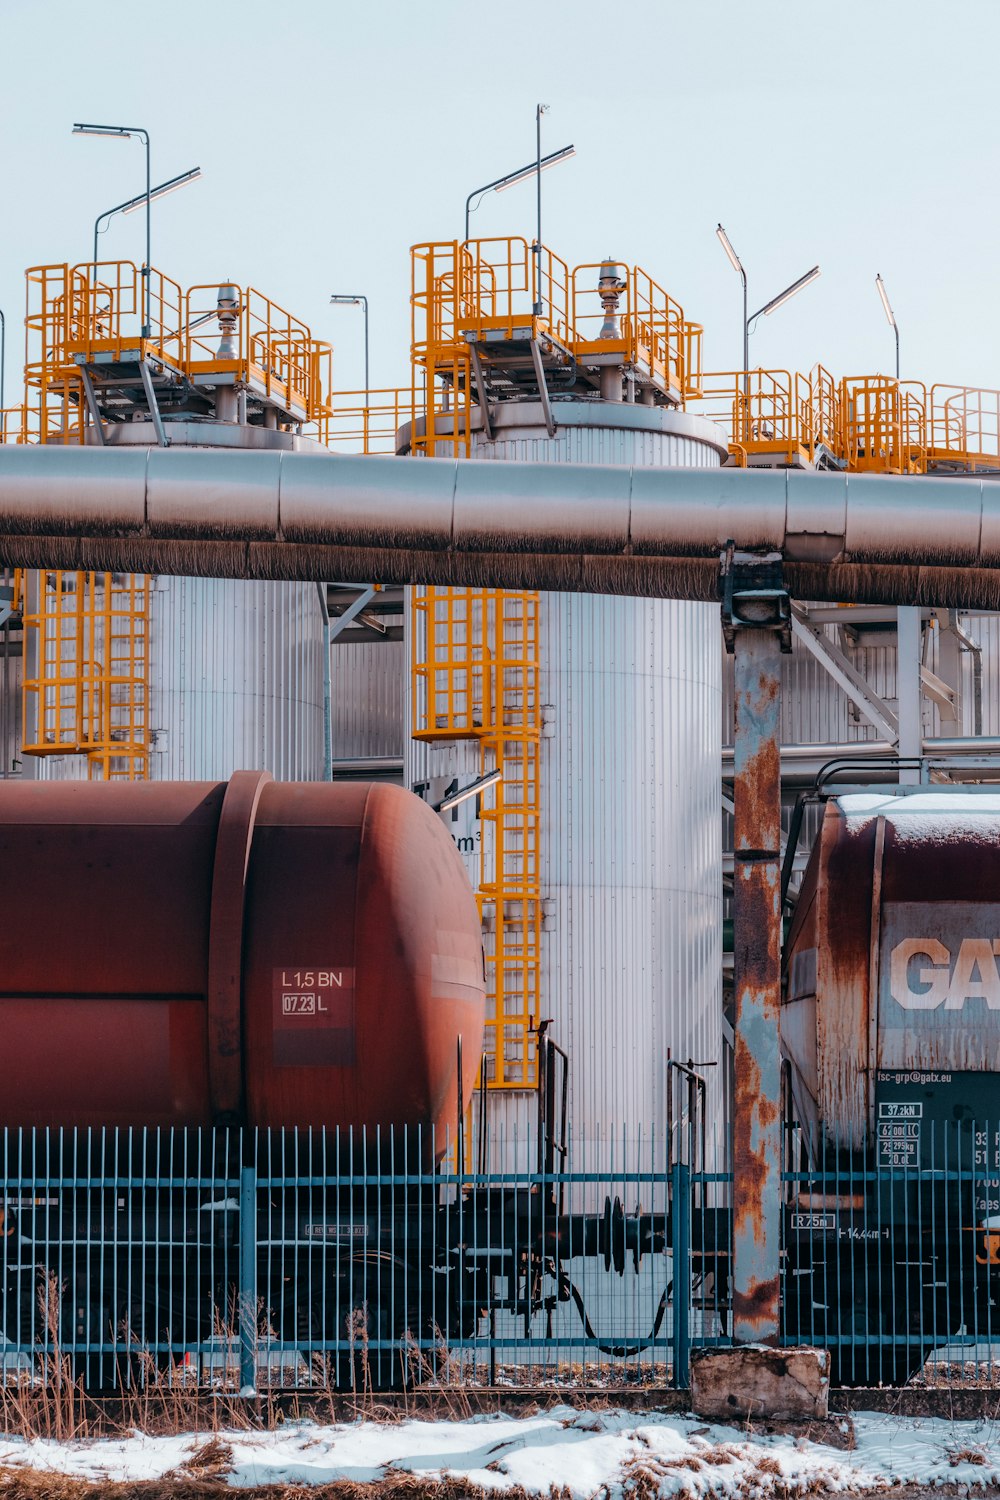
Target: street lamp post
{"x": 131, "y": 204}
{"x": 880, "y": 288}
{"x": 124, "y": 132}
{"x": 737, "y": 265}
{"x": 540, "y": 110}
{"x": 768, "y": 308}
{"x": 351, "y": 300}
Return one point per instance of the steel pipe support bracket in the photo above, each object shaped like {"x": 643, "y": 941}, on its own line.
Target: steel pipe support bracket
{"x": 754, "y": 596}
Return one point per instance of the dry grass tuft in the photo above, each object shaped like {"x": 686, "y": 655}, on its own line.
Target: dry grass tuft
{"x": 27, "y": 1484}
{"x": 212, "y": 1459}
{"x": 967, "y": 1456}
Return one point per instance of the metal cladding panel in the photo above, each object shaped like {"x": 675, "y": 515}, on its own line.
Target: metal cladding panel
{"x": 368, "y": 689}
{"x": 814, "y": 709}
{"x": 985, "y": 629}
{"x": 236, "y": 682}
{"x": 599, "y": 445}
{"x": 631, "y": 857}
{"x": 631, "y": 848}
{"x": 237, "y": 679}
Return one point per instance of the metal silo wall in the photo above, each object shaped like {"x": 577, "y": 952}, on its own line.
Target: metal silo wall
{"x": 814, "y": 710}
{"x": 631, "y": 857}
{"x": 236, "y": 673}
{"x": 235, "y": 682}
{"x": 368, "y": 686}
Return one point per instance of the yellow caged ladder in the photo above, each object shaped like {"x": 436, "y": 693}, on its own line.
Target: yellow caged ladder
{"x": 475, "y": 677}
{"x": 86, "y": 669}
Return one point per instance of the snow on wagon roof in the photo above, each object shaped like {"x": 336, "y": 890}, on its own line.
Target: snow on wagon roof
{"x": 918, "y": 815}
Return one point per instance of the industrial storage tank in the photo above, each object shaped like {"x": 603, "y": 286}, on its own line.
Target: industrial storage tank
{"x": 199, "y": 677}
{"x": 132, "y": 676}
{"x": 252, "y": 952}
{"x": 630, "y": 802}
{"x": 237, "y": 674}
{"x": 891, "y": 1010}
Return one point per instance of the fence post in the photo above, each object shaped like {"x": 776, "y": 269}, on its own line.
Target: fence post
{"x": 680, "y": 1224}
{"x": 247, "y": 1308}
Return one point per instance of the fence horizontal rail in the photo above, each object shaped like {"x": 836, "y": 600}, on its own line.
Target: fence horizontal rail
{"x": 242, "y": 1259}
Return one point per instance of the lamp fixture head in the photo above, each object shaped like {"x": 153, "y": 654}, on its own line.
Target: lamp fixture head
{"x": 734, "y": 259}
{"x": 533, "y": 168}
{"x": 884, "y": 295}
{"x": 171, "y": 186}
{"x": 122, "y": 132}
{"x": 790, "y": 292}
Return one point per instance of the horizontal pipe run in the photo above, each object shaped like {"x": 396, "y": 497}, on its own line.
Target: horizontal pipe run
{"x": 572, "y": 528}
{"x": 865, "y": 749}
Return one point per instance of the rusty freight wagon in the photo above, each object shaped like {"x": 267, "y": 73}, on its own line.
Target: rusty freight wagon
{"x": 890, "y": 1027}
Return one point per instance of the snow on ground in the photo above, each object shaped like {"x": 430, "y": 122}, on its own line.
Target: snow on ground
{"x": 591, "y": 1453}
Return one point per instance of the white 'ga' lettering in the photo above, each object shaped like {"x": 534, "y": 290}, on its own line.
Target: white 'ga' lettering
{"x": 975, "y": 953}
{"x": 976, "y": 976}
{"x": 936, "y": 980}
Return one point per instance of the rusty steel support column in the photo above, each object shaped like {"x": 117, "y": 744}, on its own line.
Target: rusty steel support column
{"x": 755, "y": 618}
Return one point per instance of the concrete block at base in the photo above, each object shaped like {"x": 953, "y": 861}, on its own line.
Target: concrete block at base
{"x": 754, "y": 1380}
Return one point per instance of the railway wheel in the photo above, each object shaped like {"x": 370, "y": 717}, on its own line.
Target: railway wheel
{"x": 370, "y": 1308}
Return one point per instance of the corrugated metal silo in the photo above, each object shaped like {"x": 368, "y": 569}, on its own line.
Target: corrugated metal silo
{"x": 630, "y": 848}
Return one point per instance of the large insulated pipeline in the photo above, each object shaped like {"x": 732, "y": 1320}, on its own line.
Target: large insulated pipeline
{"x": 640, "y": 531}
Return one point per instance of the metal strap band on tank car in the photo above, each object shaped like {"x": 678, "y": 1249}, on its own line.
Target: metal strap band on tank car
{"x": 225, "y": 944}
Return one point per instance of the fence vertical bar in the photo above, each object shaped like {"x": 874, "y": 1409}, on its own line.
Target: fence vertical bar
{"x": 248, "y": 1280}
{"x": 680, "y": 1223}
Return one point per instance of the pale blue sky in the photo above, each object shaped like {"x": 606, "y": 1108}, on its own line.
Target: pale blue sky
{"x": 861, "y": 134}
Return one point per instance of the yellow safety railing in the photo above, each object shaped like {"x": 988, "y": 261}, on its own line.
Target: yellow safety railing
{"x": 365, "y": 421}
{"x": 654, "y": 335}
{"x": 89, "y": 310}
{"x": 15, "y": 424}
{"x": 499, "y": 290}
{"x": 770, "y": 416}
{"x": 825, "y": 411}
{"x": 693, "y": 334}
{"x": 271, "y": 351}
{"x": 85, "y": 313}
{"x": 475, "y": 677}
{"x": 882, "y": 426}
{"x": 862, "y": 423}
{"x": 963, "y": 427}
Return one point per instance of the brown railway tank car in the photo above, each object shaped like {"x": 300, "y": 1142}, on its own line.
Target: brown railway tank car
{"x": 203, "y": 959}
{"x": 250, "y": 952}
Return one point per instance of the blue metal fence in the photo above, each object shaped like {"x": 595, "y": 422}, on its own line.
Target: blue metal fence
{"x": 248, "y": 1260}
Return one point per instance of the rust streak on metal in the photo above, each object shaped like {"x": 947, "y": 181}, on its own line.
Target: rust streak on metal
{"x": 757, "y": 956}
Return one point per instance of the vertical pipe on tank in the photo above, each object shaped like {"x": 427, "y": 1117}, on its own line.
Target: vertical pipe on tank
{"x": 757, "y": 962}
{"x": 911, "y": 739}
